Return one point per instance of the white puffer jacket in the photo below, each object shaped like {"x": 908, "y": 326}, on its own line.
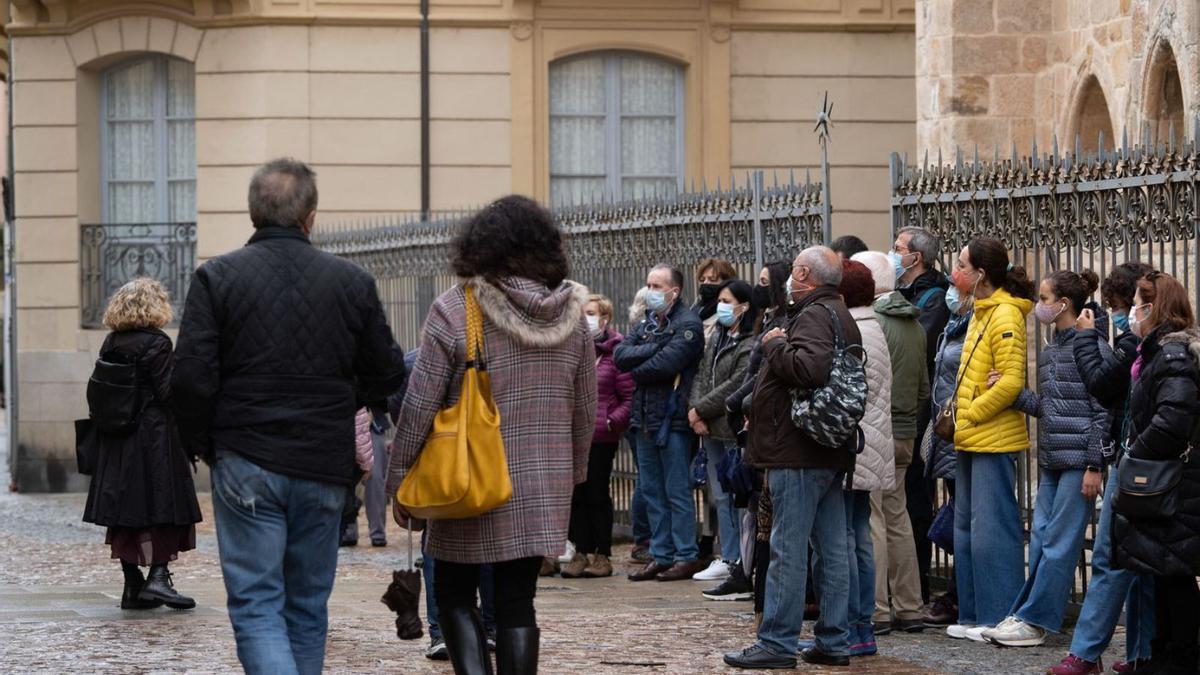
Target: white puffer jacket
{"x": 875, "y": 468}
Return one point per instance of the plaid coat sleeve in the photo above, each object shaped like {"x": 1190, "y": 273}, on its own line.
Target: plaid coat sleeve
{"x": 584, "y": 419}
{"x": 428, "y": 388}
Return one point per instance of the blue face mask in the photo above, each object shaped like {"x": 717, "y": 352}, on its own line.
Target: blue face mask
{"x": 1121, "y": 321}
{"x": 953, "y": 299}
{"x": 726, "y": 315}
{"x": 898, "y": 263}
{"x": 656, "y": 300}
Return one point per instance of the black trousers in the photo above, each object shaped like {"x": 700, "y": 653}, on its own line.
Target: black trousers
{"x": 454, "y": 586}
{"x": 920, "y": 492}
{"x": 1176, "y": 610}
{"x": 592, "y": 504}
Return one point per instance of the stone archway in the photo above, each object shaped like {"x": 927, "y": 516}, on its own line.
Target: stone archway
{"x": 1163, "y": 104}
{"x": 1091, "y": 116}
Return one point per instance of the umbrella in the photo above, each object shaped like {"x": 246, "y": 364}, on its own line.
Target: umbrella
{"x": 403, "y": 597}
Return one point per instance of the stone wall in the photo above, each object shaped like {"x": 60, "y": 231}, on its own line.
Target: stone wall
{"x": 1004, "y": 72}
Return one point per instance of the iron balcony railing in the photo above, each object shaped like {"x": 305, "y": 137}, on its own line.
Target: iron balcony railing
{"x": 112, "y": 254}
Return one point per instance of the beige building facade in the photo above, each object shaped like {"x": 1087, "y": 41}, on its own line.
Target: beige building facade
{"x": 137, "y": 126}
{"x": 1005, "y": 72}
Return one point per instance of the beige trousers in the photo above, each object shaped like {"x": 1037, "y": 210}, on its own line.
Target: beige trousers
{"x": 895, "y": 552}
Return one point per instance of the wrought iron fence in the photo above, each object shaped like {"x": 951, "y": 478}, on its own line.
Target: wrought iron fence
{"x": 612, "y": 245}
{"x": 111, "y": 255}
{"x": 1059, "y": 210}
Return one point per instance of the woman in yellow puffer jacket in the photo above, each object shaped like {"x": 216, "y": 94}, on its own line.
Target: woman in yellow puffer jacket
{"x": 989, "y": 557}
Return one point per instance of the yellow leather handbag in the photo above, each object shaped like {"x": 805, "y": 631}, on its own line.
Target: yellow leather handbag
{"x": 462, "y": 471}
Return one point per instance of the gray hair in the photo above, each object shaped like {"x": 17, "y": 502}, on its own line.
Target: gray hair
{"x": 824, "y": 263}
{"x": 282, "y": 193}
{"x": 924, "y": 242}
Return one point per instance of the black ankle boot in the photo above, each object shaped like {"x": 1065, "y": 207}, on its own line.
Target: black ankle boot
{"x": 133, "y": 586}
{"x": 517, "y": 651}
{"x": 160, "y": 587}
{"x": 466, "y": 641}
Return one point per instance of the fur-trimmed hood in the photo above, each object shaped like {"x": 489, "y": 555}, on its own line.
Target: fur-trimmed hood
{"x": 1189, "y": 337}
{"x": 532, "y": 314}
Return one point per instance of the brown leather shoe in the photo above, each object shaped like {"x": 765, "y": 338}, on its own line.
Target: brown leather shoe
{"x": 598, "y": 566}
{"x": 574, "y": 569}
{"x": 682, "y": 570}
{"x": 648, "y": 572}
{"x": 549, "y": 567}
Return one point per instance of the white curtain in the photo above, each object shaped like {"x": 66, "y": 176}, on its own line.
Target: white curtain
{"x": 150, "y": 111}
{"x": 614, "y": 123}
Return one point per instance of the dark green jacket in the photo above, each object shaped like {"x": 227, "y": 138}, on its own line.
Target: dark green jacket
{"x": 721, "y": 372}
{"x": 906, "y": 346}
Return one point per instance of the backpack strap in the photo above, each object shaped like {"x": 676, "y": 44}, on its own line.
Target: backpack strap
{"x": 929, "y": 293}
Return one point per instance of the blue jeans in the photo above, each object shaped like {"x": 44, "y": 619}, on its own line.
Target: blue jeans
{"x": 729, "y": 517}
{"x": 989, "y": 550}
{"x": 278, "y": 543}
{"x": 637, "y": 504}
{"x": 1107, "y": 590}
{"x": 861, "y": 561}
{"x": 1059, "y": 519}
{"x": 665, "y": 478}
{"x": 487, "y": 594}
{"x": 807, "y": 505}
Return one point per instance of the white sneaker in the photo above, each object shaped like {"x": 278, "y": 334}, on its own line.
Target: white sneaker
{"x": 718, "y": 570}
{"x": 976, "y": 634}
{"x": 958, "y": 631}
{"x": 569, "y": 555}
{"x": 1015, "y": 633}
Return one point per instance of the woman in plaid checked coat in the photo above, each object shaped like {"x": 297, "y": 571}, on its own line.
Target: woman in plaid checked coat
{"x": 542, "y": 363}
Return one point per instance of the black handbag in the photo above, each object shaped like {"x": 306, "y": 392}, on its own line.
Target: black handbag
{"x": 87, "y": 449}
{"x": 114, "y": 392}
{"x": 941, "y": 532}
{"x": 1146, "y": 487}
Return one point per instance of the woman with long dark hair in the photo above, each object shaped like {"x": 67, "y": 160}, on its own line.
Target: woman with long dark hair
{"x": 989, "y": 437}
{"x": 541, "y": 358}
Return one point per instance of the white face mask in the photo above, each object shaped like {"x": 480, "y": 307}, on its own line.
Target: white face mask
{"x": 593, "y": 323}
{"x": 1136, "y": 323}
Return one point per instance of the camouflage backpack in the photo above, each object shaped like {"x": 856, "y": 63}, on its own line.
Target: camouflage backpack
{"x": 830, "y": 415}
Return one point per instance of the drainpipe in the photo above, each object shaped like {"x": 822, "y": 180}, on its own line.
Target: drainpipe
{"x": 425, "y": 110}
{"x": 10, "y": 294}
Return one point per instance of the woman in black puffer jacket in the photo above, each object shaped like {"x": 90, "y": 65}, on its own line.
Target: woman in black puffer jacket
{"x": 1163, "y": 406}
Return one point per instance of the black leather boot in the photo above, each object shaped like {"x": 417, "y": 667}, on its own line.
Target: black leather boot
{"x": 133, "y": 586}
{"x": 517, "y": 651}
{"x": 466, "y": 641}
{"x": 160, "y": 587}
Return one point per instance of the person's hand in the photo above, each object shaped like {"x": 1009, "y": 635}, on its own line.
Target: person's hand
{"x": 700, "y": 427}
{"x": 693, "y": 417}
{"x": 366, "y": 475}
{"x": 993, "y": 378}
{"x": 1091, "y": 484}
{"x": 772, "y": 334}
{"x": 404, "y": 519}
{"x": 1086, "y": 320}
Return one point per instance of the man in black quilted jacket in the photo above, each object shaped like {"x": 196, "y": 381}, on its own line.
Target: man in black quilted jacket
{"x": 280, "y": 344}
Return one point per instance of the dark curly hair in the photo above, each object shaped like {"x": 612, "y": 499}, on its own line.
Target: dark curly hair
{"x": 858, "y": 284}
{"x": 1117, "y": 290}
{"x": 512, "y": 237}
{"x": 1075, "y": 287}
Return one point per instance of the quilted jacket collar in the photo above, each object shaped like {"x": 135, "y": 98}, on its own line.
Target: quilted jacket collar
{"x": 275, "y": 232}
{"x": 531, "y": 313}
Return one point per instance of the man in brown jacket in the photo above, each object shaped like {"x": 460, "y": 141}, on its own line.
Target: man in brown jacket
{"x": 804, "y": 477}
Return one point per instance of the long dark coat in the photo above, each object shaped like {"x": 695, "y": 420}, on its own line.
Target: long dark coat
{"x": 144, "y": 478}
{"x": 1162, "y": 412}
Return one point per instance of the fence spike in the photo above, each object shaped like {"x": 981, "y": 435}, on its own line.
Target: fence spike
{"x": 995, "y": 153}
{"x": 1078, "y": 148}
{"x": 718, "y": 185}
{"x": 792, "y": 175}
{"x": 1146, "y": 137}
{"x": 1054, "y": 148}
{"x": 1171, "y": 137}
{"x": 958, "y": 158}
{"x": 1016, "y": 159}
{"x": 1125, "y": 142}
{"x": 775, "y": 176}
{"x": 1100, "y": 145}
{"x": 1195, "y": 131}
{"x": 939, "y": 164}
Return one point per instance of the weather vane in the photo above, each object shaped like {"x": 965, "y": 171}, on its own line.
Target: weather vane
{"x": 824, "y": 122}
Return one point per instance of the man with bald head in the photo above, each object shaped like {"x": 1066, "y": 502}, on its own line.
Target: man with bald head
{"x": 280, "y": 344}
{"x": 804, "y": 478}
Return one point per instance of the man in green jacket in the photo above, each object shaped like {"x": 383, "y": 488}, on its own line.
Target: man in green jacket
{"x": 891, "y": 528}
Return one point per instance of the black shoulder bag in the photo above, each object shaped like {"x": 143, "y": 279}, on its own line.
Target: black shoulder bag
{"x": 114, "y": 392}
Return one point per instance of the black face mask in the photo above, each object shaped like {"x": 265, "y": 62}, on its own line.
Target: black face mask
{"x": 709, "y": 292}
{"x": 760, "y": 297}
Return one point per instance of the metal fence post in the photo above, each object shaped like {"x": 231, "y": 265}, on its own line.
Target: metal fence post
{"x": 756, "y": 213}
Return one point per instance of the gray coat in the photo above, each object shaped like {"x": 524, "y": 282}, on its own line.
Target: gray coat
{"x": 1073, "y": 427}
{"x": 726, "y": 359}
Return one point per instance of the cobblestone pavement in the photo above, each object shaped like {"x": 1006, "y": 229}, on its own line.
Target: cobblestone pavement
{"x": 59, "y": 593}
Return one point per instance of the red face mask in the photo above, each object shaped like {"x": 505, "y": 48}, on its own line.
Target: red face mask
{"x": 962, "y": 282}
